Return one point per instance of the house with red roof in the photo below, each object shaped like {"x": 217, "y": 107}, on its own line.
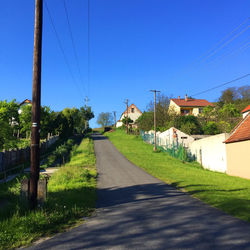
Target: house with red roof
{"x": 238, "y": 147}
{"x": 245, "y": 111}
{"x": 188, "y": 106}
{"x": 133, "y": 113}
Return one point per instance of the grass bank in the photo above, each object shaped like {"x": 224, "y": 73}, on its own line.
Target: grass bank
{"x": 71, "y": 196}
{"x": 230, "y": 194}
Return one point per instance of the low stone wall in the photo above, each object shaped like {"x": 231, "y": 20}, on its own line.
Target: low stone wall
{"x": 14, "y": 157}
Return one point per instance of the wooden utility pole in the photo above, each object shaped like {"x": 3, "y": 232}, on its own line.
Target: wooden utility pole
{"x": 155, "y": 114}
{"x": 115, "y": 117}
{"x": 126, "y": 102}
{"x": 36, "y": 105}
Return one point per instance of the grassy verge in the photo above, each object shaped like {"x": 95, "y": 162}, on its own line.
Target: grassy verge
{"x": 71, "y": 196}
{"x": 230, "y": 194}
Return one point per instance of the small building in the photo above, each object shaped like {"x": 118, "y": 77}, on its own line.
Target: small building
{"x": 174, "y": 136}
{"x": 238, "y": 147}
{"x": 188, "y": 106}
{"x": 133, "y": 113}
{"x": 25, "y": 102}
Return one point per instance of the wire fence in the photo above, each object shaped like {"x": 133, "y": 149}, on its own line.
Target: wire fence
{"x": 175, "y": 149}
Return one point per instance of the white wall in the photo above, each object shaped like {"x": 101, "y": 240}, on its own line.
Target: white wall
{"x": 211, "y": 152}
{"x": 167, "y": 138}
{"x": 118, "y": 124}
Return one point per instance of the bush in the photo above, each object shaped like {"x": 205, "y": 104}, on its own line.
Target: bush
{"x": 211, "y": 128}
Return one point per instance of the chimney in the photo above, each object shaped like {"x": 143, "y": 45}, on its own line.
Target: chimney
{"x": 186, "y": 97}
{"x": 179, "y": 97}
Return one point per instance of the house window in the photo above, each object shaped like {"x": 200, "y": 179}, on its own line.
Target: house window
{"x": 186, "y": 111}
{"x": 132, "y": 110}
{"x": 200, "y": 110}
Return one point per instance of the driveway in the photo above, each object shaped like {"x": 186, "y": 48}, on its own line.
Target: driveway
{"x": 137, "y": 211}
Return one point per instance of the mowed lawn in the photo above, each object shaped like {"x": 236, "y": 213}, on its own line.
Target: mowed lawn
{"x": 230, "y": 194}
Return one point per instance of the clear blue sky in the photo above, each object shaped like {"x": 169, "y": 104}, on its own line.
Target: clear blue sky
{"x": 135, "y": 46}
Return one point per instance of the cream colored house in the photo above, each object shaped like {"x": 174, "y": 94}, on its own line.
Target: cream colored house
{"x": 133, "y": 113}
{"x": 238, "y": 148}
{"x": 188, "y": 106}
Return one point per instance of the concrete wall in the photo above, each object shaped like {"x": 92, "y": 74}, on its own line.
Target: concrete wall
{"x": 210, "y": 152}
{"x": 167, "y": 138}
{"x": 238, "y": 157}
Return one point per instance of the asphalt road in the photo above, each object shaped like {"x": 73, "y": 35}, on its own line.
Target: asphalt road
{"x": 137, "y": 211}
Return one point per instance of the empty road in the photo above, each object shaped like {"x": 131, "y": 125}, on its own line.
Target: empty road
{"x": 137, "y": 211}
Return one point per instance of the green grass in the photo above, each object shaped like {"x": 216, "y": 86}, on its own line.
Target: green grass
{"x": 71, "y": 196}
{"x": 228, "y": 193}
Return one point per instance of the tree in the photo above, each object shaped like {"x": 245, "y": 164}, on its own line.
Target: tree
{"x": 25, "y": 120}
{"x": 105, "y": 119}
{"x": 162, "y": 113}
{"x": 229, "y": 110}
{"x": 189, "y": 124}
{"x": 86, "y": 114}
{"x": 146, "y": 121}
{"x": 125, "y": 119}
{"x": 228, "y": 96}
{"x": 244, "y": 92}
{"x": 211, "y": 128}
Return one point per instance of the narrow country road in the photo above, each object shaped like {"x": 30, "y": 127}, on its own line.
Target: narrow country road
{"x": 137, "y": 211}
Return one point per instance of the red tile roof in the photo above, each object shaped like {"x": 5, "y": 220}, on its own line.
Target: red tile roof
{"x": 25, "y": 101}
{"x": 246, "y": 109}
{"x": 192, "y": 102}
{"x": 131, "y": 106}
{"x": 241, "y": 132}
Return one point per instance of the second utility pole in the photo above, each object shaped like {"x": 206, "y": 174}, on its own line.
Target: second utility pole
{"x": 155, "y": 114}
{"x": 36, "y": 105}
{"x": 126, "y": 102}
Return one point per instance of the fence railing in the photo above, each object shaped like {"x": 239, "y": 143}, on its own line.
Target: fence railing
{"x": 175, "y": 149}
{"x": 11, "y": 161}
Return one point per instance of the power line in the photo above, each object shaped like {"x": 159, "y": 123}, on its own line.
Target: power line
{"x": 88, "y": 86}
{"x": 223, "y": 84}
{"x": 227, "y": 42}
{"x": 223, "y": 39}
{"x": 73, "y": 43}
{"x": 61, "y": 48}
{"x": 243, "y": 46}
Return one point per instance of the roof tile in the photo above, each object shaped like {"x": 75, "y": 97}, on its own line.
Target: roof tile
{"x": 241, "y": 131}
{"x": 246, "y": 109}
{"x": 192, "y": 102}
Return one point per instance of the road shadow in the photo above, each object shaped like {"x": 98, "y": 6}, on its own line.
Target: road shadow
{"x": 153, "y": 216}
{"x": 98, "y": 137}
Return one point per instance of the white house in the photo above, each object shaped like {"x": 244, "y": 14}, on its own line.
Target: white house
{"x": 133, "y": 113}
{"x": 24, "y": 103}
{"x": 188, "y": 106}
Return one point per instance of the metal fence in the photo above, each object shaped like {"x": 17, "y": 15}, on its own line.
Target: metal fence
{"x": 176, "y": 150}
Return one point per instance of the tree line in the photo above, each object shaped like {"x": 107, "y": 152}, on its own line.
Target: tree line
{"x": 15, "y": 122}
{"x": 221, "y": 118}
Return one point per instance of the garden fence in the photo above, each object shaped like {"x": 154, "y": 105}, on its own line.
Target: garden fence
{"x": 176, "y": 150}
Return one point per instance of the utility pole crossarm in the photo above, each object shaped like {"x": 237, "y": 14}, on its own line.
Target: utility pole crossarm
{"x": 155, "y": 91}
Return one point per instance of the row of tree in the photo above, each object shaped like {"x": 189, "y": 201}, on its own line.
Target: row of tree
{"x": 15, "y": 122}
{"x": 213, "y": 120}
